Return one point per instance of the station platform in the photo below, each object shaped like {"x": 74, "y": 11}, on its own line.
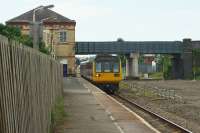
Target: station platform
{"x": 90, "y": 110}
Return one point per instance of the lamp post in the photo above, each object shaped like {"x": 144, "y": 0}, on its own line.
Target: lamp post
{"x": 52, "y": 50}
{"x": 36, "y": 26}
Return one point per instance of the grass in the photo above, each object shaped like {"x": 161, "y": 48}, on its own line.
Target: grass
{"x": 156, "y": 75}
{"x": 58, "y": 114}
{"x": 123, "y": 85}
{"x": 197, "y": 77}
{"x": 138, "y": 92}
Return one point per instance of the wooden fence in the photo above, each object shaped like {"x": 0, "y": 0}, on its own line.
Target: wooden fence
{"x": 30, "y": 83}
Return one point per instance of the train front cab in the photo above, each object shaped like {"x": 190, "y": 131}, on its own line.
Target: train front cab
{"x": 107, "y": 78}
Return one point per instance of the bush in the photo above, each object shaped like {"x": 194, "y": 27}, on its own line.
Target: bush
{"x": 27, "y": 40}
{"x": 14, "y": 33}
{"x": 167, "y": 67}
{"x": 43, "y": 48}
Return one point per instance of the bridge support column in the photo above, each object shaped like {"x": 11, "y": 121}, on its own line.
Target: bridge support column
{"x": 177, "y": 67}
{"x": 187, "y": 59}
{"x": 132, "y": 66}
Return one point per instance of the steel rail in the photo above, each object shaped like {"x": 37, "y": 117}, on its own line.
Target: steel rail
{"x": 170, "y": 123}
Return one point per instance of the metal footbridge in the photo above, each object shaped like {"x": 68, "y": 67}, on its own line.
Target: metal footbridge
{"x": 127, "y": 47}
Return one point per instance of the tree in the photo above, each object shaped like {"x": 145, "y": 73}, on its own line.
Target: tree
{"x": 196, "y": 56}
{"x": 120, "y": 40}
{"x": 14, "y": 33}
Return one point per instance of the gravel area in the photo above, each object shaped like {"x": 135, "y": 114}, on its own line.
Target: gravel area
{"x": 177, "y": 100}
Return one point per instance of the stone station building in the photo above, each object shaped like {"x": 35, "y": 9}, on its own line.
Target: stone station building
{"x": 57, "y": 32}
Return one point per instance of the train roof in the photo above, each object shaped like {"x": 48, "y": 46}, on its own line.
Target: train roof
{"x": 104, "y": 57}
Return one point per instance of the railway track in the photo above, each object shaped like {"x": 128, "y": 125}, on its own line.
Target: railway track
{"x": 160, "y": 123}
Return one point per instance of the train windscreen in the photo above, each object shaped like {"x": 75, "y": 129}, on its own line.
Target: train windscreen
{"x": 98, "y": 67}
{"x": 107, "y": 67}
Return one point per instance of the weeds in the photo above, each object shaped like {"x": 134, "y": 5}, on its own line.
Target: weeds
{"x": 58, "y": 114}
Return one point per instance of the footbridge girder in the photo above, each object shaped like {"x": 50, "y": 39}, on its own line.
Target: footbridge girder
{"x": 127, "y": 47}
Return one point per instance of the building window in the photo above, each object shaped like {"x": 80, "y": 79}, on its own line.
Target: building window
{"x": 63, "y": 36}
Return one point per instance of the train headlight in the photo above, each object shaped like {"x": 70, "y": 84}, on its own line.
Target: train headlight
{"x": 97, "y": 75}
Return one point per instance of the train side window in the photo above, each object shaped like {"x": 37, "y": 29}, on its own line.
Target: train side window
{"x": 116, "y": 68}
{"x": 98, "y": 67}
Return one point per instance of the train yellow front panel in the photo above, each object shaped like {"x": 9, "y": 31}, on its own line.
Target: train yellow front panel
{"x": 107, "y": 77}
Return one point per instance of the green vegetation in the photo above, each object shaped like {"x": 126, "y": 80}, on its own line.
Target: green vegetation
{"x": 123, "y": 59}
{"x": 43, "y": 48}
{"x": 58, "y": 114}
{"x": 14, "y": 33}
{"x": 197, "y": 77}
{"x": 167, "y": 67}
{"x": 123, "y": 85}
{"x": 137, "y": 91}
{"x": 196, "y": 63}
{"x": 156, "y": 75}
{"x": 141, "y": 59}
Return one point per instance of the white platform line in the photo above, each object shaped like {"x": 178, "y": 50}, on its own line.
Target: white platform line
{"x": 129, "y": 110}
{"x": 139, "y": 117}
{"x": 114, "y": 121}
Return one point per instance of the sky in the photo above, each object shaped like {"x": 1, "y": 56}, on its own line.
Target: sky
{"x": 132, "y": 20}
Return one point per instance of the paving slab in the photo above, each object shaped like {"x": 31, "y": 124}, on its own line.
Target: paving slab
{"x": 90, "y": 110}
{"x": 84, "y": 113}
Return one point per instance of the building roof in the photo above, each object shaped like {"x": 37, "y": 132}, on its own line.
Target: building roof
{"x": 41, "y": 15}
